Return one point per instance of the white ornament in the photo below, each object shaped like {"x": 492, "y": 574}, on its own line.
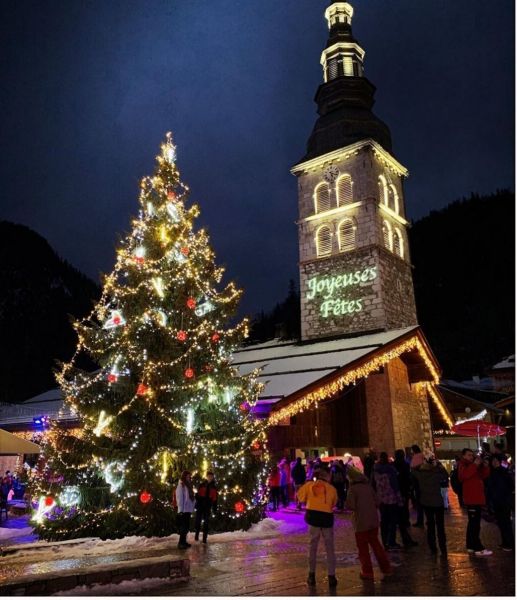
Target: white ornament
{"x": 140, "y": 253}
{"x": 116, "y": 320}
{"x": 162, "y": 318}
{"x": 190, "y": 421}
{"x": 114, "y": 475}
{"x": 102, "y": 423}
{"x": 43, "y": 509}
{"x": 150, "y": 209}
{"x": 203, "y": 308}
{"x": 173, "y": 212}
{"x": 158, "y": 286}
{"x": 178, "y": 256}
{"x": 70, "y": 496}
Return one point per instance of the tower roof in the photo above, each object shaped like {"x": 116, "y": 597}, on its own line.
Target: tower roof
{"x": 346, "y": 97}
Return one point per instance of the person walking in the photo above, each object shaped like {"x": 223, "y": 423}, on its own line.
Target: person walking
{"x": 299, "y": 477}
{"x": 337, "y": 479}
{"x": 386, "y": 485}
{"x": 472, "y": 473}
{"x": 362, "y": 501}
{"x": 501, "y": 488}
{"x": 430, "y": 475}
{"x": 185, "y": 504}
{"x": 206, "y": 502}
{"x": 274, "y": 486}
{"x": 320, "y": 498}
{"x": 404, "y": 480}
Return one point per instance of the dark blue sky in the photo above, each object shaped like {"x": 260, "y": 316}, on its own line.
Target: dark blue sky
{"x": 89, "y": 87}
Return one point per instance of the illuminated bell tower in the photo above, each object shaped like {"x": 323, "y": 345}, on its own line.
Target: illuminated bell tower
{"x": 355, "y": 270}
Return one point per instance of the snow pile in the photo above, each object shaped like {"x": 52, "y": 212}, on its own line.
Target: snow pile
{"x": 115, "y": 589}
{"x": 7, "y": 533}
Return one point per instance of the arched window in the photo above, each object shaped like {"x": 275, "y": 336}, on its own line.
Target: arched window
{"x": 344, "y": 190}
{"x": 398, "y": 243}
{"x": 387, "y": 235}
{"x": 346, "y": 233}
{"x": 393, "y": 198}
{"x": 383, "y": 190}
{"x": 323, "y": 241}
{"x": 322, "y": 197}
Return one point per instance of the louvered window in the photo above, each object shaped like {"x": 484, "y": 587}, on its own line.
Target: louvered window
{"x": 344, "y": 190}
{"x": 383, "y": 190}
{"x": 387, "y": 235}
{"x": 393, "y": 199}
{"x": 333, "y": 69}
{"x": 324, "y": 241}
{"x": 398, "y": 243}
{"x": 347, "y": 231}
{"x": 322, "y": 198}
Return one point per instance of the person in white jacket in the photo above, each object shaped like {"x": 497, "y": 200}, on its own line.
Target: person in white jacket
{"x": 185, "y": 504}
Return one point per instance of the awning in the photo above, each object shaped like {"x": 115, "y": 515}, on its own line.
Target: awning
{"x": 12, "y": 444}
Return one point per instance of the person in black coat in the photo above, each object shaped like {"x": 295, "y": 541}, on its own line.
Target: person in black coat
{"x": 404, "y": 478}
{"x": 298, "y": 476}
{"x": 206, "y": 502}
{"x": 500, "y": 496}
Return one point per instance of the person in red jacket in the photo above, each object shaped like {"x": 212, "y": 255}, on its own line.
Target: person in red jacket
{"x": 472, "y": 473}
{"x": 274, "y": 486}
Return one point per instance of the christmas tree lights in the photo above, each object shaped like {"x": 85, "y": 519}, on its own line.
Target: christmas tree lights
{"x": 165, "y": 397}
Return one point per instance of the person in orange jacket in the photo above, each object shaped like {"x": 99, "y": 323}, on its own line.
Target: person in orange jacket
{"x": 472, "y": 473}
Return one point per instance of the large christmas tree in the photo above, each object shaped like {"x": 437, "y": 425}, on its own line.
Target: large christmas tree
{"x": 165, "y": 397}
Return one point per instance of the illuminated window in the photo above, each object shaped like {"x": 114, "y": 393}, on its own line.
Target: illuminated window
{"x": 322, "y": 197}
{"x": 344, "y": 190}
{"x": 387, "y": 235}
{"x": 383, "y": 190}
{"x": 398, "y": 243}
{"x": 323, "y": 241}
{"x": 393, "y": 198}
{"x": 346, "y": 233}
{"x": 348, "y": 67}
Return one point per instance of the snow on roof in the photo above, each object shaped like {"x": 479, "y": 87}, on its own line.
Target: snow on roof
{"x": 506, "y": 363}
{"x": 54, "y": 394}
{"x": 290, "y": 366}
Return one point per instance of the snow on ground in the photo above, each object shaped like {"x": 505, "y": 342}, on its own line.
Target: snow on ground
{"x": 40, "y": 551}
{"x": 114, "y": 589}
{"x": 11, "y": 532}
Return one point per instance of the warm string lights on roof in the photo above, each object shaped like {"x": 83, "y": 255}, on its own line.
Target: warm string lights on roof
{"x": 353, "y": 375}
{"x": 166, "y": 397}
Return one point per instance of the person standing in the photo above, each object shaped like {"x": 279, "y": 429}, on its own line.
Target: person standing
{"x": 404, "y": 480}
{"x": 456, "y": 483}
{"x": 206, "y": 502}
{"x": 185, "y": 504}
{"x": 417, "y": 459}
{"x": 472, "y": 473}
{"x": 274, "y": 486}
{"x": 298, "y": 475}
{"x": 320, "y": 498}
{"x": 430, "y": 476}
{"x": 283, "y": 467}
{"x": 386, "y": 485}
{"x": 337, "y": 479}
{"x": 362, "y": 501}
{"x": 500, "y": 488}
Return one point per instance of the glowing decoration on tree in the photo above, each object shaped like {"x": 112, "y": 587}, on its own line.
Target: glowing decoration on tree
{"x": 145, "y": 497}
{"x": 140, "y": 254}
{"x": 116, "y": 320}
{"x": 114, "y": 475}
{"x": 169, "y": 149}
{"x": 158, "y": 286}
{"x": 204, "y": 308}
{"x": 45, "y": 505}
{"x": 70, "y": 496}
{"x": 240, "y": 507}
{"x": 102, "y": 423}
{"x": 183, "y": 389}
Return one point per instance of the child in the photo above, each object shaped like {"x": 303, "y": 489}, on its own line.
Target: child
{"x": 362, "y": 501}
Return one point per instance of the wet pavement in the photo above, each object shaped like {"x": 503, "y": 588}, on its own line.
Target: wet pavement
{"x": 277, "y": 566}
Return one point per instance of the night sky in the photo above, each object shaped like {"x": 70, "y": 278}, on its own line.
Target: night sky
{"x": 88, "y": 89}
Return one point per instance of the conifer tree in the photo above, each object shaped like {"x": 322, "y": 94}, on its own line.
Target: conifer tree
{"x": 165, "y": 397}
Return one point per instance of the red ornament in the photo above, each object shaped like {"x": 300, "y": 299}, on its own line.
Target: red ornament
{"x": 112, "y": 378}
{"x": 117, "y": 320}
{"x": 171, "y": 195}
{"x": 49, "y": 501}
{"x": 255, "y": 446}
{"x": 243, "y": 406}
{"x": 145, "y": 497}
{"x": 191, "y": 303}
{"x": 189, "y": 373}
{"x": 437, "y": 443}
{"x": 142, "y": 389}
{"x": 215, "y": 337}
{"x": 139, "y": 260}
{"x": 181, "y": 336}
{"x": 185, "y": 251}
{"x": 240, "y": 507}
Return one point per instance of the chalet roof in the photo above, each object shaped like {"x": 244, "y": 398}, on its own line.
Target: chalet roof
{"x": 289, "y": 366}
{"x": 506, "y": 363}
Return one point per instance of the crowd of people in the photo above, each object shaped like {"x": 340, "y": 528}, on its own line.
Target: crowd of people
{"x": 380, "y": 496}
